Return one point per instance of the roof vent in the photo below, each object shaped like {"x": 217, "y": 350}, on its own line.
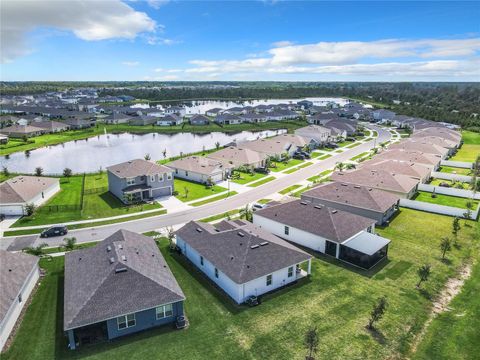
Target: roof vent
{"x": 318, "y": 206}
{"x": 264, "y": 243}
{"x": 199, "y": 230}
{"x": 334, "y": 211}
{"x": 343, "y": 184}
{"x": 241, "y": 234}
{"x": 120, "y": 246}
{"x": 357, "y": 186}
{"x": 120, "y": 270}
{"x": 254, "y": 246}
{"x": 109, "y": 248}
{"x": 124, "y": 258}
{"x": 112, "y": 260}
{"x": 303, "y": 203}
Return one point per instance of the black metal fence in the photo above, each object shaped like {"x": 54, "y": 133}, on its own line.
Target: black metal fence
{"x": 95, "y": 190}
{"x": 58, "y": 208}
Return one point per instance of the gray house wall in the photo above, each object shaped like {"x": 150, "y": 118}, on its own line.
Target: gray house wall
{"x": 379, "y": 217}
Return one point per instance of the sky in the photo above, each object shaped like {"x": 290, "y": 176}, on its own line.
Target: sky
{"x": 161, "y": 40}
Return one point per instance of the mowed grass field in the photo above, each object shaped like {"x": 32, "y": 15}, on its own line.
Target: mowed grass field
{"x": 337, "y": 299}
{"x": 470, "y": 148}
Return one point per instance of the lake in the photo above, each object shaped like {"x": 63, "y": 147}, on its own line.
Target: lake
{"x": 99, "y": 152}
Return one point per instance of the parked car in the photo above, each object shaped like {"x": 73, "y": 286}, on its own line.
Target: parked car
{"x": 306, "y": 154}
{"x": 262, "y": 170}
{"x": 350, "y": 139}
{"x": 258, "y": 206}
{"x": 299, "y": 157}
{"x": 331, "y": 145}
{"x": 252, "y": 300}
{"x": 57, "y": 230}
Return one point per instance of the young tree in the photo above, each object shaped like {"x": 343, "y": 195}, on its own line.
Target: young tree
{"x": 164, "y": 153}
{"x": 27, "y": 153}
{"x": 423, "y": 274}
{"x": 38, "y": 171}
{"x": 170, "y": 236}
{"x": 210, "y": 182}
{"x": 147, "y": 157}
{"x": 311, "y": 342}
{"x": 69, "y": 243}
{"x": 30, "y": 209}
{"x": 67, "y": 172}
{"x": 246, "y": 213}
{"x": 5, "y": 171}
{"x": 378, "y": 311}
{"x": 217, "y": 145}
{"x": 350, "y": 166}
{"x": 185, "y": 192}
{"x": 445, "y": 245}
{"x": 340, "y": 166}
{"x": 129, "y": 198}
{"x": 35, "y": 250}
{"x": 455, "y": 228}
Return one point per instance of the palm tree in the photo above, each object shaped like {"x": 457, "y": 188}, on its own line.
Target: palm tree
{"x": 69, "y": 243}
{"x": 423, "y": 273}
{"x": 147, "y": 157}
{"x": 246, "y": 213}
{"x": 350, "y": 166}
{"x": 164, "y": 153}
{"x": 35, "y": 250}
{"x": 217, "y": 145}
{"x": 340, "y": 166}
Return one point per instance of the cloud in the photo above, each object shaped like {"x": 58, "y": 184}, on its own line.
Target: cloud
{"x": 399, "y": 59}
{"x": 155, "y": 40}
{"x": 89, "y": 21}
{"x": 130, "y": 63}
{"x": 156, "y": 4}
{"x": 282, "y": 43}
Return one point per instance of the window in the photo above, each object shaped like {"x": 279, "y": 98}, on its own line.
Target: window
{"x": 126, "y": 321}
{"x": 186, "y": 173}
{"x": 19, "y": 298}
{"x": 287, "y": 230}
{"x": 269, "y": 280}
{"x": 169, "y": 176}
{"x": 201, "y": 260}
{"x": 152, "y": 178}
{"x": 290, "y": 271}
{"x": 160, "y": 177}
{"x": 176, "y": 171}
{"x": 130, "y": 181}
{"x": 164, "y": 311}
{"x": 216, "y": 272}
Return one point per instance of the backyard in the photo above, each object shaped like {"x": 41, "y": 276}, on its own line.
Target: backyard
{"x": 98, "y": 204}
{"x": 470, "y": 148}
{"x": 455, "y": 170}
{"x": 337, "y": 299}
{"x": 446, "y": 200}
{"x": 194, "y": 190}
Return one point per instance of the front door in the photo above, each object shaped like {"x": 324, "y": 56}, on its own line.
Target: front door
{"x": 331, "y": 248}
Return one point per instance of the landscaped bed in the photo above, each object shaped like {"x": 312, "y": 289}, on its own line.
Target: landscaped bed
{"x": 454, "y": 184}
{"x": 215, "y": 198}
{"x": 359, "y": 156}
{"x": 289, "y": 189}
{"x": 337, "y": 298}
{"x": 445, "y": 200}
{"x": 194, "y": 191}
{"x": 246, "y": 178}
{"x": 322, "y": 174}
{"x": 298, "y": 167}
{"x": 280, "y": 166}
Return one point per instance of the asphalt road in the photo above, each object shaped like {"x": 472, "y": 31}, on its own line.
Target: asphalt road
{"x": 195, "y": 213}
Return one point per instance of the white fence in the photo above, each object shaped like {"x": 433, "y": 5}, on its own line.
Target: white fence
{"x": 449, "y": 176}
{"x": 438, "y": 209}
{"x": 468, "y": 194}
{"x": 459, "y": 164}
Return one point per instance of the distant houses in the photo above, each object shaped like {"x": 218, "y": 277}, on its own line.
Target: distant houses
{"x": 240, "y": 258}
{"x": 19, "y": 274}
{"x": 139, "y": 180}
{"x": 118, "y": 287}
{"x": 20, "y": 191}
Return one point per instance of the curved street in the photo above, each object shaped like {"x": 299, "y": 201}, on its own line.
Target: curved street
{"x": 180, "y": 217}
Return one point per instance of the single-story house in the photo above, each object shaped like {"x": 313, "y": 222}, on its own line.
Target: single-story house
{"x": 139, "y": 180}
{"x": 213, "y": 112}
{"x": 236, "y": 110}
{"x": 170, "y": 120}
{"x": 273, "y": 147}
{"x": 142, "y": 120}
{"x": 452, "y": 146}
{"x": 372, "y": 203}
{"x": 199, "y": 120}
{"x": 239, "y": 157}
{"x": 343, "y": 235}
{"x": 118, "y": 287}
{"x": 240, "y": 258}
{"x": 319, "y": 134}
{"x": 403, "y": 186}
{"x": 442, "y": 132}
{"x": 322, "y": 117}
{"x": 417, "y": 157}
{"x": 3, "y": 139}
{"x": 19, "y": 131}
{"x": 296, "y": 140}
{"x": 51, "y": 126}
{"x": 80, "y": 123}
{"x": 383, "y": 115}
{"x": 117, "y": 118}
{"x": 227, "y": 119}
{"x": 253, "y": 117}
{"x": 200, "y": 169}
{"x": 175, "y": 110}
{"x": 18, "y": 192}
{"x": 421, "y": 146}
{"x": 278, "y": 115}
{"x": 19, "y": 274}
{"x": 414, "y": 170}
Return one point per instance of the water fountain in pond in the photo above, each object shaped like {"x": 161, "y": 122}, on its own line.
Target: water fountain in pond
{"x": 106, "y": 137}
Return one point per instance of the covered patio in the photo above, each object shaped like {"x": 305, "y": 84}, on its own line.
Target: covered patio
{"x": 364, "y": 250}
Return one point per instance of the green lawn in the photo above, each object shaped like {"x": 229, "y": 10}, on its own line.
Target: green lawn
{"x": 221, "y": 216}
{"x": 455, "y": 334}
{"x": 338, "y": 150}
{"x": 468, "y": 153}
{"x": 322, "y": 174}
{"x": 263, "y": 181}
{"x": 444, "y": 200}
{"x": 195, "y": 190}
{"x": 354, "y": 145}
{"x": 337, "y": 299}
{"x": 298, "y": 167}
{"x": 326, "y": 156}
{"x": 359, "y": 156}
{"x": 289, "y": 189}
{"x": 280, "y": 166}
{"x": 451, "y": 170}
{"x": 437, "y": 182}
{"x": 98, "y": 205}
{"x": 247, "y": 178}
{"x": 470, "y": 137}
{"x": 264, "y": 201}
{"x": 215, "y": 198}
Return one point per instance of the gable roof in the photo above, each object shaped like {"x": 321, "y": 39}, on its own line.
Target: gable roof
{"x": 22, "y": 188}
{"x": 137, "y": 167}
{"x": 235, "y": 248}
{"x": 332, "y": 224}
{"x": 14, "y": 271}
{"x": 123, "y": 274}
{"x": 353, "y": 195}
{"x": 197, "y": 164}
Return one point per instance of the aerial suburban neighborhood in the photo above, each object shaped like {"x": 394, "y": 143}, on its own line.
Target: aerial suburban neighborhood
{"x": 211, "y": 192}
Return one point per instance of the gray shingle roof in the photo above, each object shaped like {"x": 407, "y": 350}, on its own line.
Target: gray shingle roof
{"x": 335, "y": 225}
{"x": 137, "y": 167}
{"x": 22, "y": 189}
{"x": 14, "y": 270}
{"x": 96, "y": 291}
{"x": 353, "y": 195}
{"x": 232, "y": 253}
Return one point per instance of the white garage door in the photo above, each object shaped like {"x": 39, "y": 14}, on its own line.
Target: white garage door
{"x": 11, "y": 210}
